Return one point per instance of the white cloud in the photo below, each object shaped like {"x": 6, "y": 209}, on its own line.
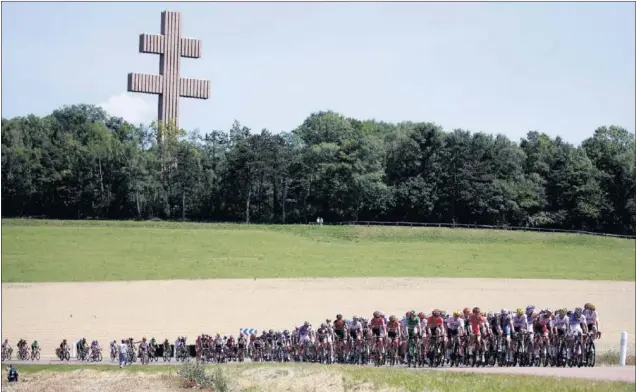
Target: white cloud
{"x": 130, "y": 107}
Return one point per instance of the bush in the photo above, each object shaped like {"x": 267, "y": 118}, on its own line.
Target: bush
{"x": 611, "y": 358}
{"x": 194, "y": 376}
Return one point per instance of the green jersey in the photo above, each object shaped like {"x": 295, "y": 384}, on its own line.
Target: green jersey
{"x": 412, "y": 323}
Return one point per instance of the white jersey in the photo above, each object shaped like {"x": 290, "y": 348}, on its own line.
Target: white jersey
{"x": 590, "y": 316}
{"x": 561, "y": 322}
{"x": 453, "y": 324}
{"x": 424, "y": 323}
{"x": 520, "y": 321}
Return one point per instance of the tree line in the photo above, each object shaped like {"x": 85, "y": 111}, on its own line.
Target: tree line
{"x": 80, "y": 163}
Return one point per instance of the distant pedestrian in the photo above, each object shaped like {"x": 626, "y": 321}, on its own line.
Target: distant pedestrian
{"x": 123, "y": 348}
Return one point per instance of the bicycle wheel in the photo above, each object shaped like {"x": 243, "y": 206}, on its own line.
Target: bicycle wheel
{"x": 590, "y": 359}
{"x": 411, "y": 353}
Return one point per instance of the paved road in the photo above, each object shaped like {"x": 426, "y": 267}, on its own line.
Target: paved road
{"x": 609, "y": 373}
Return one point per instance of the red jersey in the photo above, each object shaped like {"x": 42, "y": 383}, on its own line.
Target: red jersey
{"x": 339, "y": 325}
{"x": 475, "y": 322}
{"x": 377, "y": 323}
{"x": 435, "y": 321}
{"x": 393, "y": 326}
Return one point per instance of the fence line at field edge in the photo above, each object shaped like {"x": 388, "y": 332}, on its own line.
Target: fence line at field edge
{"x": 377, "y": 223}
{"x": 473, "y": 226}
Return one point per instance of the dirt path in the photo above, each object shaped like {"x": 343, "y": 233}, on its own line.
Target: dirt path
{"x": 113, "y": 310}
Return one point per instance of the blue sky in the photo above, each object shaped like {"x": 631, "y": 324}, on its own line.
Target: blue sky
{"x": 560, "y": 68}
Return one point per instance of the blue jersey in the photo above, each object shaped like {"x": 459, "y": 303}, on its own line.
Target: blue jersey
{"x": 577, "y": 320}
{"x": 504, "y": 321}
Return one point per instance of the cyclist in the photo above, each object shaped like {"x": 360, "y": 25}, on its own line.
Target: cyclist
{"x": 35, "y": 347}
{"x": 394, "y": 332}
{"x": 378, "y": 327}
{"x": 506, "y": 325}
{"x": 578, "y": 327}
{"x": 434, "y": 327}
{"x": 592, "y": 319}
{"x": 455, "y": 328}
{"x": 413, "y": 330}
{"x": 143, "y": 347}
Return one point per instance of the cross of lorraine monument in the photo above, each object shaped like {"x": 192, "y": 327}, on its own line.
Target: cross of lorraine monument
{"x": 170, "y": 47}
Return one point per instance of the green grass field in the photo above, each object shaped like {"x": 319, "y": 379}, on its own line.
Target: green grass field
{"x": 269, "y": 377}
{"x": 56, "y": 251}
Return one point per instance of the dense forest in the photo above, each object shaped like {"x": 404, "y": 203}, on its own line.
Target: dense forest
{"x": 81, "y": 163}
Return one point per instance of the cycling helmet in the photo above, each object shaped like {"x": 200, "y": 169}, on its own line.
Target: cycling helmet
{"x": 392, "y": 318}
{"x": 476, "y": 310}
{"x": 519, "y": 311}
{"x": 286, "y": 332}
{"x": 376, "y": 314}
{"x": 306, "y": 324}
{"x": 466, "y": 311}
{"x": 578, "y": 312}
{"x": 339, "y": 317}
{"x": 504, "y": 311}
{"x": 436, "y": 312}
{"x": 489, "y": 315}
{"x": 530, "y": 308}
{"x": 408, "y": 314}
{"x": 590, "y": 306}
{"x": 421, "y": 315}
{"x": 548, "y": 311}
{"x": 442, "y": 313}
{"x": 456, "y": 313}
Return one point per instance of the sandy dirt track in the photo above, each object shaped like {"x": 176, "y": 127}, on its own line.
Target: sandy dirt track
{"x": 113, "y": 310}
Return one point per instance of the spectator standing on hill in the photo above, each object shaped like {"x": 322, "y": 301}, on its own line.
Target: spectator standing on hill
{"x": 123, "y": 350}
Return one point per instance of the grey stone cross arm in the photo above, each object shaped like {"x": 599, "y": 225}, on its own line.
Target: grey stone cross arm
{"x": 154, "y": 84}
{"x": 168, "y": 84}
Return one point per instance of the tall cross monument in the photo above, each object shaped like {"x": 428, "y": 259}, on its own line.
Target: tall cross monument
{"x": 169, "y": 85}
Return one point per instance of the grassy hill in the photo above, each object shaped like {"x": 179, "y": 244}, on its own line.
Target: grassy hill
{"x": 57, "y": 251}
